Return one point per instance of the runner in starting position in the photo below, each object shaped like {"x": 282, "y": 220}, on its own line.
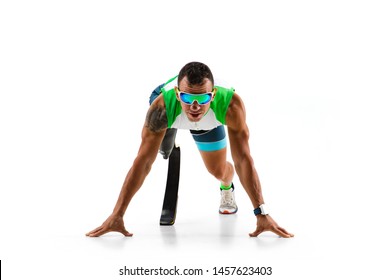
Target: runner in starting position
{"x": 192, "y": 101}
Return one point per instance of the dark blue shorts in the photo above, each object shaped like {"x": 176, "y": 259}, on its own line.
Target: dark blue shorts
{"x": 206, "y": 140}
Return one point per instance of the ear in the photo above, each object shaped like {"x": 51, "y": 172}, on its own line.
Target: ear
{"x": 177, "y": 93}
{"x": 214, "y": 93}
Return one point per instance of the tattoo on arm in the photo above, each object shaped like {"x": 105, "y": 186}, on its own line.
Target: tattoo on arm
{"x": 156, "y": 119}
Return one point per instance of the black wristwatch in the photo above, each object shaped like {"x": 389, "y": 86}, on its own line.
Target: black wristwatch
{"x": 261, "y": 210}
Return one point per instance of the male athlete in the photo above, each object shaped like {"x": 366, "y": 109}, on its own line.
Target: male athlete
{"x": 192, "y": 101}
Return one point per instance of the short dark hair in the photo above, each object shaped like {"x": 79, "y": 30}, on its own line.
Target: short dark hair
{"x": 195, "y": 72}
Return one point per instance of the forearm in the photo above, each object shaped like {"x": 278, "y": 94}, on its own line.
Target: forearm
{"x": 250, "y": 180}
{"x": 133, "y": 182}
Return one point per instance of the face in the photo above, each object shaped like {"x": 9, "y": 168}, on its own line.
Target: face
{"x": 194, "y": 112}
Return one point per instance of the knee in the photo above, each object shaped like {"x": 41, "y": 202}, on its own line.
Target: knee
{"x": 216, "y": 171}
{"x": 220, "y": 171}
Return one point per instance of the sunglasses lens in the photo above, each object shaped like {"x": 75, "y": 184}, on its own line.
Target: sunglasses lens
{"x": 200, "y": 98}
{"x": 204, "y": 98}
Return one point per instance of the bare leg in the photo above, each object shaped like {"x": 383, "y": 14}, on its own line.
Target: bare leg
{"x": 217, "y": 165}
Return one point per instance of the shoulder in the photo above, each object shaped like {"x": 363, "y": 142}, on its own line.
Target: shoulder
{"x": 156, "y": 118}
{"x": 236, "y": 108}
{"x": 235, "y": 114}
{"x": 236, "y": 104}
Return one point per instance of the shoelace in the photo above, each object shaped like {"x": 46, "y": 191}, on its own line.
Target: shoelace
{"x": 227, "y": 198}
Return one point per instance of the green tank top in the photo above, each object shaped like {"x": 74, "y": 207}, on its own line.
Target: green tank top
{"x": 214, "y": 117}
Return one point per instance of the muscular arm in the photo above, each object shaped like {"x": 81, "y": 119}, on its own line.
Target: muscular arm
{"x": 243, "y": 162}
{"x": 152, "y": 135}
{"x": 239, "y": 144}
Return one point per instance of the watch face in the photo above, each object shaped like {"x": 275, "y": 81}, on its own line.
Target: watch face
{"x": 264, "y": 210}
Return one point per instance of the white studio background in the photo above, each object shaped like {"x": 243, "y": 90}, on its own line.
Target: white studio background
{"x": 75, "y": 78}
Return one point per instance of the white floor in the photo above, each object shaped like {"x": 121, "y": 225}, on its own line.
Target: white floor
{"x": 47, "y": 241}
{"x": 204, "y": 242}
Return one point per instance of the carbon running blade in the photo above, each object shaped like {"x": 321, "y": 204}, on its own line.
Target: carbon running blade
{"x": 168, "y": 213}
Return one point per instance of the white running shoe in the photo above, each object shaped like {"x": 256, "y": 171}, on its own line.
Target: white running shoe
{"x": 228, "y": 202}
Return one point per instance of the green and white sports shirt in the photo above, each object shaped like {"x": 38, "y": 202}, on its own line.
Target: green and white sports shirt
{"x": 214, "y": 117}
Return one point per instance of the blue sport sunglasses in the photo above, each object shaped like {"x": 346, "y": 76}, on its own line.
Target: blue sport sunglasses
{"x": 190, "y": 98}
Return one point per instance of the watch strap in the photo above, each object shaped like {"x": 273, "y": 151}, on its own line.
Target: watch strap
{"x": 261, "y": 210}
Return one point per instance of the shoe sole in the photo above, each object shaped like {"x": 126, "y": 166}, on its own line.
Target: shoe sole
{"x": 226, "y": 212}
